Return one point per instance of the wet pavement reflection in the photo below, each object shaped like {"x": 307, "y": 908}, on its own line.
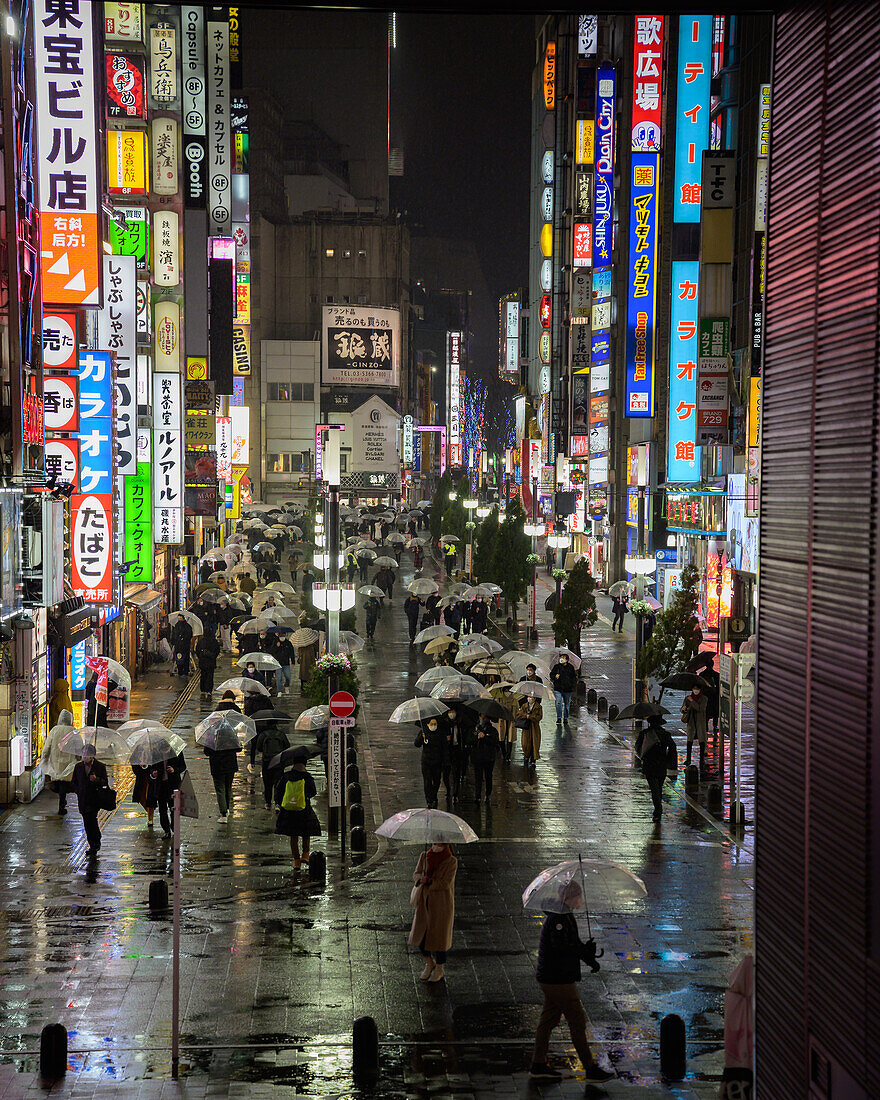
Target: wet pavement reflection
{"x": 275, "y": 968}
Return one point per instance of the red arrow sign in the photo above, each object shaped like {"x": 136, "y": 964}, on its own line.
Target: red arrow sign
{"x": 342, "y": 704}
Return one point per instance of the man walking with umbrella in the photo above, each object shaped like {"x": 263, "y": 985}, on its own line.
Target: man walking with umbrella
{"x": 181, "y": 640}
{"x": 654, "y": 748}
{"x": 436, "y": 757}
{"x": 483, "y": 754}
{"x": 563, "y": 677}
{"x": 207, "y": 650}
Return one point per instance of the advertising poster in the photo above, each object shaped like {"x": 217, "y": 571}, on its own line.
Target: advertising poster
{"x": 360, "y": 346}
{"x": 126, "y": 96}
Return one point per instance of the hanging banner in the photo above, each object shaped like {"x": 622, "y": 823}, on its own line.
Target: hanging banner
{"x": 116, "y": 333}
{"x": 91, "y": 547}
{"x": 61, "y": 462}
{"x": 166, "y": 339}
{"x": 683, "y": 456}
{"x": 163, "y": 64}
{"x": 60, "y": 403}
{"x": 96, "y": 423}
{"x": 59, "y": 341}
{"x": 126, "y": 96}
{"x": 166, "y": 249}
{"x": 164, "y": 156}
{"x": 69, "y": 173}
{"x": 691, "y": 113}
{"x": 219, "y": 134}
{"x": 642, "y": 287}
{"x": 647, "y": 83}
{"x": 603, "y": 203}
{"x": 195, "y": 159}
{"x": 127, "y": 162}
{"x": 139, "y": 526}
{"x": 134, "y": 239}
{"x": 241, "y": 350}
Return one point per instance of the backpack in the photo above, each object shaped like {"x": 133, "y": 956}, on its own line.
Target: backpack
{"x": 294, "y": 795}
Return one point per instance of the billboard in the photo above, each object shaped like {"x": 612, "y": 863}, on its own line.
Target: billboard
{"x": 195, "y": 158}
{"x": 691, "y": 113}
{"x": 641, "y": 286}
{"x": 603, "y": 204}
{"x": 219, "y": 132}
{"x": 167, "y": 458}
{"x": 647, "y": 83}
{"x": 453, "y": 395}
{"x": 127, "y": 162}
{"x": 116, "y": 333}
{"x": 126, "y": 97}
{"x": 360, "y": 346}
{"x": 91, "y": 547}
{"x": 67, "y": 140}
{"x": 683, "y": 456}
{"x": 96, "y": 423}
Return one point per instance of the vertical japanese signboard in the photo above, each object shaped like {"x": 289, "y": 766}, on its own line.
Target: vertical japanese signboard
{"x": 164, "y": 156}
{"x": 127, "y": 162}
{"x": 116, "y": 333}
{"x": 70, "y": 199}
{"x": 691, "y": 113}
{"x": 166, "y": 249}
{"x": 641, "y": 287}
{"x": 603, "y": 204}
{"x": 96, "y": 422}
{"x": 712, "y": 400}
{"x": 167, "y": 458}
{"x": 219, "y": 132}
{"x": 139, "y": 525}
{"x": 126, "y": 95}
{"x": 647, "y": 83}
{"x": 195, "y": 159}
{"x": 453, "y": 396}
{"x": 163, "y": 64}
{"x": 682, "y": 458}
{"x": 134, "y": 238}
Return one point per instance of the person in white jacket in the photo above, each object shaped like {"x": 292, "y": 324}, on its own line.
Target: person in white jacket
{"x": 58, "y": 765}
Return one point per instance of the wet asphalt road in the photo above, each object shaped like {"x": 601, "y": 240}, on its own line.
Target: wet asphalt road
{"x": 275, "y": 968}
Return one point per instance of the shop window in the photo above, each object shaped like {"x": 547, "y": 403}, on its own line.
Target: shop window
{"x": 288, "y": 462}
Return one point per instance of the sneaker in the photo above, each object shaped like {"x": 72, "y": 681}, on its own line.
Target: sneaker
{"x": 540, "y": 1071}
{"x": 251, "y": 768}
{"x": 596, "y": 1073}
{"x": 223, "y": 819}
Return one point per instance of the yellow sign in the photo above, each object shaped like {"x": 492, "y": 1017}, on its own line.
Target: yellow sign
{"x": 550, "y": 76}
{"x": 586, "y": 141}
{"x": 238, "y": 473}
{"x": 196, "y": 368}
{"x": 127, "y": 162}
{"x": 754, "y": 412}
{"x": 547, "y": 239}
{"x": 241, "y": 350}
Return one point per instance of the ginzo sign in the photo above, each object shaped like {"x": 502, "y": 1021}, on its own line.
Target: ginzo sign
{"x": 360, "y": 346}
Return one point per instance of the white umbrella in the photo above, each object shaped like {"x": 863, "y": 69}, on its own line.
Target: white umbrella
{"x": 432, "y": 632}
{"x": 363, "y": 552}
{"x": 224, "y": 729}
{"x": 383, "y": 561}
{"x": 349, "y": 642}
{"x": 109, "y": 744}
{"x": 533, "y": 688}
{"x": 555, "y": 654}
{"x": 477, "y": 592}
{"x": 366, "y": 544}
{"x": 459, "y": 689}
{"x": 480, "y": 640}
{"x": 604, "y": 886}
{"x": 281, "y": 586}
{"x": 420, "y": 826}
{"x": 243, "y": 684}
{"x": 519, "y": 661}
{"x": 254, "y": 626}
{"x": 194, "y": 621}
{"x": 314, "y": 718}
{"x": 423, "y": 586}
{"x": 450, "y": 538}
{"x": 244, "y": 567}
{"x": 372, "y": 590}
{"x": 429, "y": 680}
{"x": 258, "y": 660}
{"x": 416, "y": 710}
{"x": 154, "y": 745}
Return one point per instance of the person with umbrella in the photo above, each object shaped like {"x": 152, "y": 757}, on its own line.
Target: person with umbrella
{"x": 480, "y": 616}
{"x": 655, "y": 748}
{"x": 483, "y": 754}
{"x": 351, "y": 564}
{"x": 207, "y": 651}
{"x": 96, "y": 713}
{"x": 560, "y": 954}
{"x": 460, "y": 731}
{"x": 181, "y": 640}
{"x": 269, "y": 742}
{"x": 693, "y": 714}
{"x": 227, "y": 702}
{"x": 297, "y": 820}
{"x": 371, "y": 614}
{"x": 563, "y": 677}
{"x": 247, "y": 584}
{"x": 280, "y": 648}
{"x": 619, "y": 607}
{"x": 434, "y": 905}
{"x": 436, "y": 759}
{"x": 452, "y": 615}
{"x": 154, "y": 785}
{"x": 384, "y": 579}
{"x": 528, "y": 719}
{"x": 418, "y": 557}
{"x": 363, "y": 561}
{"x": 432, "y": 616}
{"x": 58, "y": 765}
{"x": 224, "y": 765}
{"x": 411, "y": 608}
{"x": 88, "y": 777}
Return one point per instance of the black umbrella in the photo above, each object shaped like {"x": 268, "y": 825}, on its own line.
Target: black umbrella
{"x": 705, "y": 659}
{"x": 280, "y": 630}
{"x": 684, "y": 681}
{"x": 641, "y": 710}
{"x": 490, "y": 707}
{"x": 291, "y": 756}
{"x": 238, "y": 620}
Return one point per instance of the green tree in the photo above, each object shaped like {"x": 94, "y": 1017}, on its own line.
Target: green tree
{"x": 577, "y": 607}
{"x": 664, "y": 652}
{"x": 455, "y": 515}
{"x": 511, "y": 567}
{"x": 486, "y": 547}
{"x": 441, "y": 500}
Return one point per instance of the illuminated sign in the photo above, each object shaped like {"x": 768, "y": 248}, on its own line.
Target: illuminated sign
{"x": 195, "y": 157}
{"x": 124, "y": 22}
{"x": 167, "y": 458}
{"x": 164, "y": 148}
{"x": 59, "y": 341}
{"x": 96, "y": 422}
{"x": 126, "y": 162}
{"x": 453, "y": 395}
{"x": 219, "y": 131}
{"x": 163, "y": 64}
{"x": 545, "y": 311}
{"x": 603, "y": 205}
{"x": 70, "y": 202}
{"x": 647, "y": 83}
{"x": 508, "y": 338}
{"x": 550, "y": 76}
{"x": 585, "y": 141}
{"x": 125, "y": 86}
{"x": 139, "y": 525}
{"x": 547, "y": 239}
{"x": 641, "y": 287}
{"x": 712, "y": 410}
{"x": 683, "y": 456}
{"x": 754, "y": 411}
{"x": 91, "y": 544}
{"x": 166, "y": 336}
{"x": 588, "y": 35}
{"x": 166, "y": 249}
{"x": 547, "y": 166}
{"x": 116, "y": 333}
{"x": 544, "y": 346}
{"x": 133, "y": 240}
{"x": 224, "y": 448}
{"x": 241, "y": 350}
{"x": 582, "y": 244}
{"x": 60, "y": 403}
{"x": 546, "y": 274}
{"x": 691, "y": 113}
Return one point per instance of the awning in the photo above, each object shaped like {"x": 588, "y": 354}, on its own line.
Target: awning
{"x": 142, "y": 596}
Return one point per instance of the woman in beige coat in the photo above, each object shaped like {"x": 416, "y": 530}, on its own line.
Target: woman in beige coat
{"x": 434, "y": 905}
{"x": 531, "y": 711}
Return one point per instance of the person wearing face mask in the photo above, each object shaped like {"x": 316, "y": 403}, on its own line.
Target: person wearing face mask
{"x": 434, "y": 904}
{"x": 563, "y": 677}
{"x": 693, "y": 714}
{"x": 528, "y": 719}
{"x": 88, "y": 776}
{"x": 436, "y": 757}
{"x": 460, "y": 732}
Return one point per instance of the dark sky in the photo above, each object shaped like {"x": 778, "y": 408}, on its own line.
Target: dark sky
{"x": 461, "y": 90}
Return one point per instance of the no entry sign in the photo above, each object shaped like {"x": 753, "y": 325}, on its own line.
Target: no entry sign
{"x": 342, "y": 704}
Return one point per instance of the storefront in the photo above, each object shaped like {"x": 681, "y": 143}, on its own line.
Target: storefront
{"x": 142, "y": 604}
{"x": 742, "y": 546}
{"x": 698, "y": 519}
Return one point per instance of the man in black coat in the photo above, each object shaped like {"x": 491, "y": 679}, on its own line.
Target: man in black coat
{"x": 656, "y": 751}
{"x": 479, "y": 616}
{"x": 411, "y": 607}
{"x": 434, "y": 742}
{"x": 88, "y": 776}
{"x": 207, "y": 651}
{"x": 452, "y": 616}
{"x": 181, "y": 640}
{"x": 460, "y": 730}
{"x": 563, "y": 677}
{"x": 96, "y": 713}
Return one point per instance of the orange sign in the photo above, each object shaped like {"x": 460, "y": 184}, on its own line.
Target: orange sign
{"x": 550, "y": 76}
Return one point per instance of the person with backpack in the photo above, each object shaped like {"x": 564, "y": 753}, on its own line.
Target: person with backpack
{"x": 656, "y": 751}
{"x": 297, "y": 820}
{"x": 269, "y": 742}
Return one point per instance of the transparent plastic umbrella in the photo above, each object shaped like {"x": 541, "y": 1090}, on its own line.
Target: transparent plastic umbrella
{"x": 490, "y": 586}
{"x": 194, "y": 621}
{"x": 138, "y": 725}
{"x": 605, "y": 885}
{"x": 281, "y": 586}
{"x": 432, "y": 632}
{"x": 224, "y": 729}
{"x": 481, "y": 641}
{"x": 115, "y": 671}
{"x": 384, "y": 560}
{"x": 372, "y": 590}
{"x": 620, "y": 586}
{"x": 278, "y": 614}
{"x": 214, "y": 595}
{"x": 154, "y": 745}
{"x": 459, "y": 689}
{"x": 365, "y": 552}
{"x": 416, "y": 710}
{"x": 254, "y": 626}
{"x": 458, "y": 589}
{"x": 423, "y": 586}
{"x": 433, "y": 676}
{"x": 478, "y": 591}
{"x": 265, "y": 548}
{"x": 242, "y": 684}
{"x": 519, "y": 661}
{"x": 560, "y": 651}
{"x": 258, "y": 660}
{"x": 304, "y": 636}
{"x": 395, "y": 538}
{"x": 450, "y": 538}
{"x": 366, "y": 544}
{"x": 533, "y": 688}
{"x": 314, "y": 718}
{"x": 418, "y": 826}
{"x": 349, "y": 642}
{"x": 110, "y": 745}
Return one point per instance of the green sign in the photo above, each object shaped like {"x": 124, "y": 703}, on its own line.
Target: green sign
{"x": 139, "y": 525}
{"x": 134, "y": 240}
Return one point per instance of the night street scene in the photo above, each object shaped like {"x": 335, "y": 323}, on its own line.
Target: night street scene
{"x": 433, "y": 665}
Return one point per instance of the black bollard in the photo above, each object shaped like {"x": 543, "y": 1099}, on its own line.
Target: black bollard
{"x": 354, "y": 793}
{"x": 673, "y": 1048}
{"x": 352, "y": 774}
{"x": 602, "y": 706}
{"x": 355, "y": 815}
{"x": 158, "y": 894}
{"x": 351, "y": 756}
{"x": 317, "y": 866}
{"x": 365, "y": 1050}
{"x": 737, "y": 816}
{"x": 714, "y": 798}
{"x": 53, "y": 1051}
{"x": 358, "y": 840}
{"x": 591, "y": 698}
{"x": 613, "y": 712}
{"x": 691, "y": 778}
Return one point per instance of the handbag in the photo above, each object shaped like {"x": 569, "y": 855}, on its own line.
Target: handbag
{"x": 414, "y": 895}
{"x": 105, "y": 797}
{"x": 522, "y": 723}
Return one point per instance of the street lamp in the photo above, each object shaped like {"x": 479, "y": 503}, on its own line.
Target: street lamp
{"x": 452, "y": 494}
{"x": 483, "y": 511}
{"x": 559, "y": 540}
{"x": 471, "y": 504}
{"x": 322, "y": 560}
{"x": 333, "y": 597}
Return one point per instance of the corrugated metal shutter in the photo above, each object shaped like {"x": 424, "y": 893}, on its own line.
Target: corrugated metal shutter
{"x": 818, "y": 547}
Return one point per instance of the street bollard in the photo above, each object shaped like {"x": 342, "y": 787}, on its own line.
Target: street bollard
{"x": 714, "y": 798}
{"x": 602, "y": 706}
{"x": 737, "y": 816}
{"x": 53, "y": 1051}
{"x": 613, "y": 712}
{"x": 353, "y": 793}
{"x": 352, "y": 774}
{"x": 317, "y": 866}
{"x": 691, "y": 778}
{"x": 351, "y": 755}
{"x": 365, "y": 1050}
{"x": 358, "y": 840}
{"x": 673, "y": 1048}
{"x": 591, "y": 698}
{"x": 158, "y": 894}
{"x": 355, "y": 815}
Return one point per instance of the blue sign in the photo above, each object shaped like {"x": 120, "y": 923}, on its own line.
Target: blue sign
{"x": 601, "y": 347}
{"x": 603, "y": 204}
{"x": 691, "y": 113}
{"x": 683, "y": 456}
{"x": 601, "y": 284}
{"x": 641, "y": 286}
{"x": 668, "y": 556}
{"x": 78, "y": 666}
{"x": 95, "y": 376}
{"x": 417, "y": 452}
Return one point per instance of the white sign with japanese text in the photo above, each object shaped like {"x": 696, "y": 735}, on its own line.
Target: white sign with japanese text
{"x": 116, "y": 333}
{"x": 166, "y": 249}
{"x": 219, "y": 132}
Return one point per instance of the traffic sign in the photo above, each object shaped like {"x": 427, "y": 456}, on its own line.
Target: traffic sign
{"x": 342, "y": 704}
{"x": 339, "y": 723}
{"x": 335, "y": 765}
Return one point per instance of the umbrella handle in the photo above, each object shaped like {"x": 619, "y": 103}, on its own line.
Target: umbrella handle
{"x": 584, "y": 895}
